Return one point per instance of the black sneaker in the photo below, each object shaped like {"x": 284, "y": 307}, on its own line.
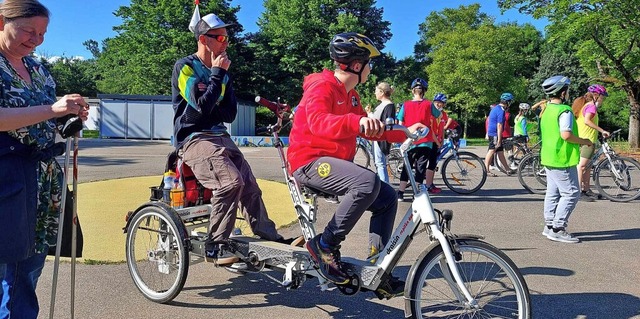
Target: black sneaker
{"x": 402, "y": 199}
{"x": 591, "y": 194}
{"x": 585, "y": 198}
{"x": 393, "y": 287}
{"x": 328, "y": 261}
{"x": 220, "y": 257}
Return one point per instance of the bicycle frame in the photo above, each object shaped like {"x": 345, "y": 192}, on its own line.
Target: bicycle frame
{"x": 608, "y": 152}
{"x": 421, "y": 212}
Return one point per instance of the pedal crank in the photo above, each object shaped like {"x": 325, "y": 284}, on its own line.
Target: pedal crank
{"x": 352, "y": 287}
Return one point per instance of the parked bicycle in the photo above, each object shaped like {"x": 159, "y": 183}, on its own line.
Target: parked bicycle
{"x": 515, "y": 149}
{"x": 463, "y": 172}
{"x": 617, "y": 178}
{"x": 456, "y": 275}
{"x": 364, "y": 152}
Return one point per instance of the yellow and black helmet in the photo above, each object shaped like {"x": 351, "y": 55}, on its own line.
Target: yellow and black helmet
{"x": 351, "y": 46}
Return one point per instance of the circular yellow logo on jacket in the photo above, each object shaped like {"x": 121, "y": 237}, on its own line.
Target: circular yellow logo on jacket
{"x": 324, "y": 170}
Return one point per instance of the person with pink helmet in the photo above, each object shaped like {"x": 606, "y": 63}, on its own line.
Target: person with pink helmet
{"x": 585, "y": 109}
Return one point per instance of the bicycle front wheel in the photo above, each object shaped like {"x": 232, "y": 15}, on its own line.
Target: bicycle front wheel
{"x": 619, "y": 179}
{"x": 532, "y": 175}
{"x": 464, "y": 173}
{"x": 490, "y": 276}
{"x": 362, "y": 157}
{"x": 157, "y": 258}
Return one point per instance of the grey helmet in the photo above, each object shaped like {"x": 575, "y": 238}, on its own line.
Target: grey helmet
{"x": 555, "y": 84}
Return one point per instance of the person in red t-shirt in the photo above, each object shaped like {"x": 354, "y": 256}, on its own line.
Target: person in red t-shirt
{"x": 445, "y": 123}
{"x": 424, "y": 154}
{"x": 322, "y": 145}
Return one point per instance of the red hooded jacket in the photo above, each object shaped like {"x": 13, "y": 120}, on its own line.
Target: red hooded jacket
{"x": 327, "y": 122}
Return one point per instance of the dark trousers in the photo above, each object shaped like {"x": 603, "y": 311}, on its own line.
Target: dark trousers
{"x": 360, "y": 189}
{"x": 218, "y": 164}
{"x": 421, "y": 158}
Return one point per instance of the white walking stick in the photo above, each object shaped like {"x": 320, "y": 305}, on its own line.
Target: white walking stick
{"x": 63, "y": 202}
{"x": 74, "y": 224}
{"x": 74, "y": 219}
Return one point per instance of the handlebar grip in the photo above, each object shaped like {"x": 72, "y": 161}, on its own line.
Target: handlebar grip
{"x": 387, "y": 127}
{"x": 273, "y": 106}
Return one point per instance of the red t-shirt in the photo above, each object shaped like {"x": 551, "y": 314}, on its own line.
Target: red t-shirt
{"x": 420, "y": 112}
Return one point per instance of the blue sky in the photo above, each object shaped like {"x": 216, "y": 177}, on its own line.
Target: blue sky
{"x": 75, "y": 21}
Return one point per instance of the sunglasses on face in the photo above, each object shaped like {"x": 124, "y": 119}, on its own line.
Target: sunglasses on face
{"x": 218, "y": 37}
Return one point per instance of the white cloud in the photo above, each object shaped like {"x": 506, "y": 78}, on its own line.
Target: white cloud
{"x": 54, "y": 59}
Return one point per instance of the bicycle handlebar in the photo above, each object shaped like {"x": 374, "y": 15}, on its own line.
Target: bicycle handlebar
{"x": 275, "y": 107}
{"x": 603, "y": 139}
{"x": 419, "y": 134}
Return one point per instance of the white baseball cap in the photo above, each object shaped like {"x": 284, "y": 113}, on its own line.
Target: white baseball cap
{"x": 209, "y": 22}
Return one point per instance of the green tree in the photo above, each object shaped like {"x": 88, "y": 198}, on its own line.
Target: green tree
{"x": 74, "y": 76}
{"x": 473, "y": 61}
{"x": 609, "y": 46}
{"x": 446, "y": 21}
{"x": 294, "y": 36}
{"x": 554, "y": 61}
{"x": 152, "y": 36}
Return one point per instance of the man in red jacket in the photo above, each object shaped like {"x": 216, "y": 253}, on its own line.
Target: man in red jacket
{"x": 322, "y": 148}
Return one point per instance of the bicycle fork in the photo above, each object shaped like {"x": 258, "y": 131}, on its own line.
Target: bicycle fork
{"x": 450, "y": 270}
{"x": 451, "y": 273}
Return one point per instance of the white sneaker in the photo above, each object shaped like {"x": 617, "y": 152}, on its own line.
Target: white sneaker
{"x": 513, "y": 166}
{"x": 492, "y": 168}
{"x": 563, "y": 236}
{"x": 546, "y": 231}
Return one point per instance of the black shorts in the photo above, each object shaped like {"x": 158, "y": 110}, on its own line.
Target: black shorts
{"x": 493, "y": 140}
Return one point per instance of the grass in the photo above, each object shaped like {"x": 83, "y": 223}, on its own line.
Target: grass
{"x": 90, "y": 133}
{"x": 477, "y": 141}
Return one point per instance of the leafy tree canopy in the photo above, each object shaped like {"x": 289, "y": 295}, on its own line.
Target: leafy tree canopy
{"x": 294, "y": 37}
{"x": 473, "y": 61}
{"x": 152, "y": 36}
{"x": 73, "y": 76}
{"x": 608, "y": 46}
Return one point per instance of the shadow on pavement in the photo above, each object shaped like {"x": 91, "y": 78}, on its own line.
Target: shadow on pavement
{"x": 501, "y": 195}
{"x": 263, "y": 292}
{"x": 618, "y": 234}
{"x": 102, "y": 161}
{"x": 548, "y": 271}
{"x": 586, "y": 305}
{"x": 88, "y": 143}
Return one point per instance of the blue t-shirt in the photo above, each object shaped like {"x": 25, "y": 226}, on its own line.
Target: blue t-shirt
{"x": 495, "y": 116}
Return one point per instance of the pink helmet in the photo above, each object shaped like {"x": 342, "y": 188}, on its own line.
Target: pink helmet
{"x": 598, "y": 89}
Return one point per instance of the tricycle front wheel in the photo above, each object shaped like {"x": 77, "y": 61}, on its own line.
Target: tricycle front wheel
{"x": 157, "y": 258}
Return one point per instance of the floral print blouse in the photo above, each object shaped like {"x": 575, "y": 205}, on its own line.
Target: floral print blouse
{"x": 15, "y": 92}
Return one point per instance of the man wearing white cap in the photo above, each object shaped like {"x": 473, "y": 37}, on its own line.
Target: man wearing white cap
{"x": 203, "y": 100}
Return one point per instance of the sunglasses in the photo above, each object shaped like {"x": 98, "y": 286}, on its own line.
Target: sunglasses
{"x": 218, "y": 37}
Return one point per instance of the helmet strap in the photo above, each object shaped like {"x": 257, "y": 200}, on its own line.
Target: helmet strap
{"x": 347, "y": 68}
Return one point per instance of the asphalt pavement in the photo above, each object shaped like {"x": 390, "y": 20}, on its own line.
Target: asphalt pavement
{"x": 597, "y": 278}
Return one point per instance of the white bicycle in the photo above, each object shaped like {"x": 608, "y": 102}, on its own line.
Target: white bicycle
{"x": 455, "y": 276}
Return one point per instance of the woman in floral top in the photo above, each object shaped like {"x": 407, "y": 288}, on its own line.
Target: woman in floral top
{"x": 31, "y": 178}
